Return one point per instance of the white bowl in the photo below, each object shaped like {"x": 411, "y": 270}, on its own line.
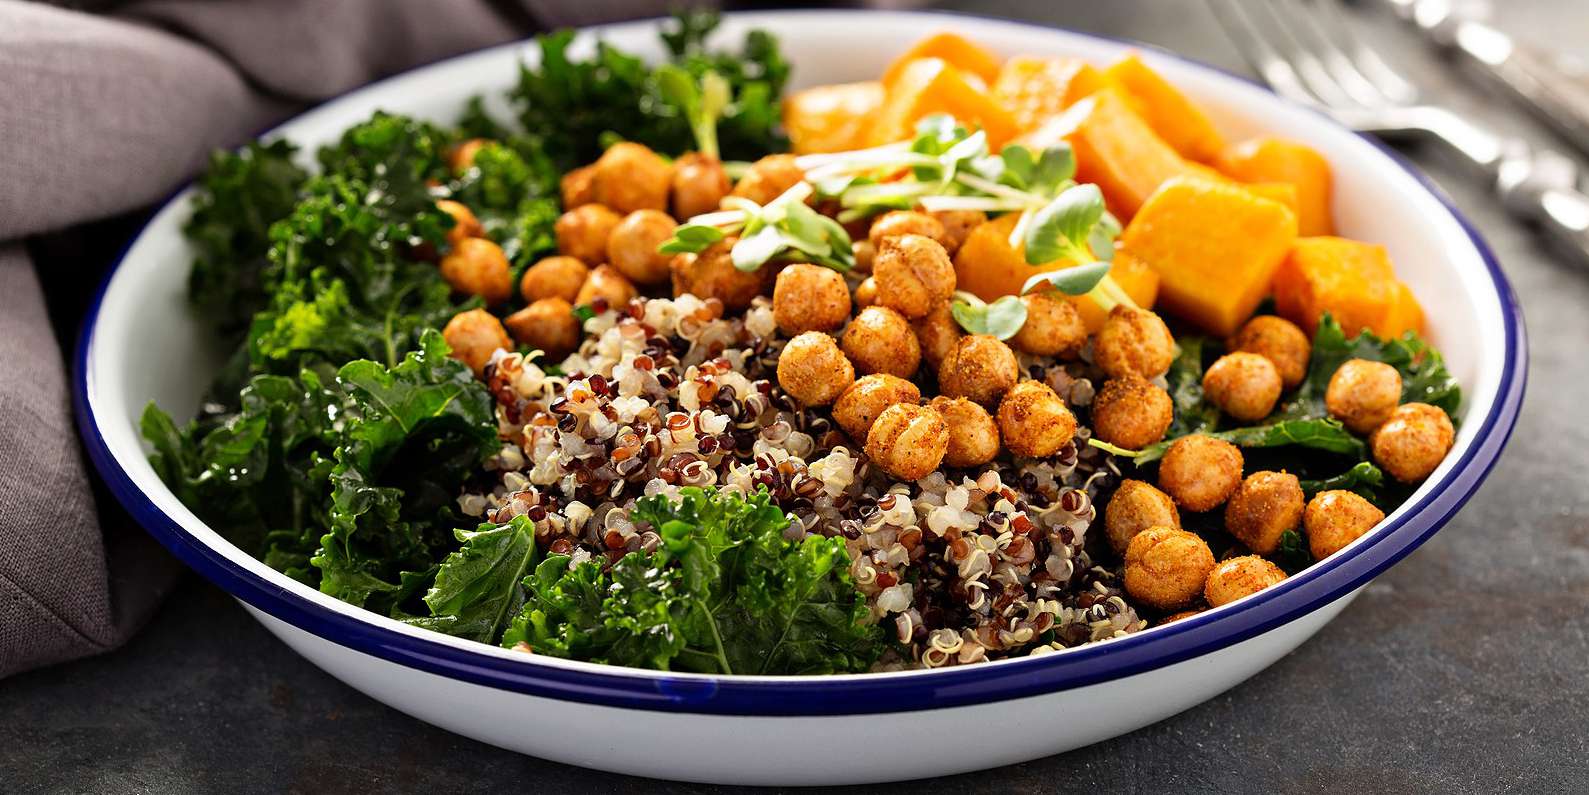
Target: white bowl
{"x": 142, "y": 343}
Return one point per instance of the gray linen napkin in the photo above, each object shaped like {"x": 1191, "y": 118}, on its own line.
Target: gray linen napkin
{"x": 103, "y": 113}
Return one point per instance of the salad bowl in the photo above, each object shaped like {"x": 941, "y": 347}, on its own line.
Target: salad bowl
{"x": 141, "y": 343}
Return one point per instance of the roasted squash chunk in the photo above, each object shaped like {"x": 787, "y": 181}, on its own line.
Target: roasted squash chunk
{"x": 932, "y": 85}
{"x": 1114, "y": 148}
{"x": 834, "y": 118}
{"x": 953, "y": 49}
{"x": 1178, "y": 120}
{"x": 1280, "y": 160}
{"x": 1353, "y": 281}
{"x": 1037, "y": 89}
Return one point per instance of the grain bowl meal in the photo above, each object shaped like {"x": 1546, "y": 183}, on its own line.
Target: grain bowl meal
{"x": 986, "y": 358}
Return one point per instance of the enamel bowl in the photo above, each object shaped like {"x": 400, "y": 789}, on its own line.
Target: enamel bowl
{"x": 141, "y": 343}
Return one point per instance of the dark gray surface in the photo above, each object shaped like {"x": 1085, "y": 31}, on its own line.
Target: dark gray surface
{"x": 1463, "y": 669}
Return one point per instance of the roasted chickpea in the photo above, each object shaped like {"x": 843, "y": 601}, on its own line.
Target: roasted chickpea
{"x": 979, "y": 367}
{"x": 699, "y": 184}
{"x": 478, "y": 267}
{"x": 866, "y": 293}
{"x": 813, "y": 370}
{"x": 1263, "y": 507}
{"x": 1033, "y": 421}
{"x": 864, "y": 253}
{"x": 711, "y": 274}
{"x": 461, "y": 158}
{"x": 558, "y": 276}
{"x": 583, "y": 232}
{"x": 629, "y": 177}
{"x": 1131, "y": 412}
{"x": 879, "y": 340}
{"x": 1413, "y": 441}
{"x": 768, "y": 178}
{"x": 913, "y": 274}
{"x": 578, "y": 187}
{"x": 632, "y": 246}
{"x": 1166, "y": 568}
{"x": 1136, "y": 506}
{"x": 464, "y": 222}
{"x": 1134, "y": 341}
{"x": 938, "y": 334}
{"x": 957, "y": 226}
{"x": 1200, "y": 472}
{"x": 474, "y": 336}
{"x": 1053, "y": 327}
{"x": 908, "y": 441}
{"x": 1278, "y": 340}
{"x": 1336, "y": 518}
{"x": 1243, "y": 385}
{"x": 858, "y": 407}
{"x": 1173, "y": 617}
{"x": 1237, "y": 577}
{"x": 1362, "y": 394}
{"x": 810, "y": 298}
{"x": 973, "y": 435}
{"x": 549, "y": 325}
{"x": 895, "y": 223}
{"x": 606, "y": 282}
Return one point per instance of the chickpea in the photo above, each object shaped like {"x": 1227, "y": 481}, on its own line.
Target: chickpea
{"x": 478, "y": 267}
{"x": 1174, "y": 617}
{"x": 913, "y": 275}
{"x": 813, "y": 370}
{"x": 578, "y": 187}
{"x": 864, "y": 253}
{"x": 879, "y": 340}
{"x": 557, "y": 276}
{"x": 1278, "y": 340}
{"x": 699, "y": 185}
{"x": 866, "y": 293}
{"x": 957, "y": 226}
{"x": 810, "y": 298}
{"x": 549, "y": 325}
{"x": 979, "y": 367}
{"x": 768, "y": 178}
{"x": 1362, "y": 394}
{"x": 464, "y": 222}
{"x": 1033, "y": 421}
{"x": 1336, "y": 518}
{"x": 632, "y": 246}
{"x": 1053, "y": 327}
{"x": 973, "y": 435}
{"x": 938, "y": 334}
{"x": 1243, "y": 385}
{"x": 474, "y": 336}
{"x": 1134, "y": 341}
{"x": 629, "y": 177}
{"x": 905, "y": 222}
{"x": 858, "y": 407}
{"x": 711, "y": 274}
{"x": 1131, "y": 412}
{"x": 606, "y": 282}
{"x": 583, "y": 232}
{"x": 1200, "y": 472}
{"x": 1237, "y": 577}
{"x": 1136, "y": 506}
{"x": 461, "y": 158}
{"x": 908, "y": 441}
{"x": 1413, "y": 441}
{"x": 1263, "y": 507}
{"x": 1166, "y": 568}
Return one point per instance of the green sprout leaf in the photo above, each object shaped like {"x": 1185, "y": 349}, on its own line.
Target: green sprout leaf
{"x": 1000, "y": 319}
{"x": 691, "y": 239}
{"x": 1062, "y": 227}
{"x": 752, "y": 252}
{"x": 1079, "y": 280}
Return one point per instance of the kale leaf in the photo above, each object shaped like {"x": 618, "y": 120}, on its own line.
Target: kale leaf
{"x": 1424, "y": 377}
{"x": 1363, "y": 478}
{"x": 1327, "y": 435}
{"x": 479, "y": 587}
{"x": 1194, "y": 413}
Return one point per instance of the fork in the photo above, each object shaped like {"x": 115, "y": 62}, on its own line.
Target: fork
{"x": 1307, "y": 53}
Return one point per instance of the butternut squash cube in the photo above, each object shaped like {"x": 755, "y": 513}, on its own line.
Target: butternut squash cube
{"x": 1178, "y": 120}
{"x": 1035, "y": 89}
{"x": 1352, "y": 280}
{"x": 1114, "y": 148}
{"x": 1281, "y": 160}
{"x": 834, "y": 118}
{"x": 1406, "y": 316}
{"x": 1283, "y": 192}
{"x": 953, "y": 49}
{"x": 931, "y": 85}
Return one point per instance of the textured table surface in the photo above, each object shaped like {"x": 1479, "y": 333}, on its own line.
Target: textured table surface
{"x": 1463, "y": 669}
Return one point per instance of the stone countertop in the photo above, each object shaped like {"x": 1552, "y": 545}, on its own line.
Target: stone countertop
{"x": 1463, "y": 669}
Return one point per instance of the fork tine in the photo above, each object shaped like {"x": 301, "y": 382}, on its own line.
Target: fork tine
{"x": 1363, "y": 59}
{"x": 1325, "y": 34}
{"x": 1283, "y": 19}
{"x": 1255, "y": 48}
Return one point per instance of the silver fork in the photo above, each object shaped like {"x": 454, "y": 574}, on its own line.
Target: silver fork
{"x": 1307, "y": 53}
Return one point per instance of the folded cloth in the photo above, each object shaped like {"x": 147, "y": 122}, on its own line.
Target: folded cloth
{"x": 105, "y": 108}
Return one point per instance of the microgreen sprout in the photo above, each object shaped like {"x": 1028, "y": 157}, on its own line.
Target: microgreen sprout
{"x": 785, "y": 227}
{"x": 702, "y": 103}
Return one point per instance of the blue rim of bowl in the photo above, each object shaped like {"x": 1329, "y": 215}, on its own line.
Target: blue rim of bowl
{"x": 1313, "y": 588}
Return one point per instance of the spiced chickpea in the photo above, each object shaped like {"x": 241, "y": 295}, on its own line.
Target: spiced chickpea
{"x": 1136, "y": 506}
{"x": 1263, "y": 507}
{"x": 478, "y": 267}
{"x": 606, "y": 282}
{"x": 1200, "y": 472}
{"x": 768, "y": 178}
{"x": 578, "y": 187}
{"x": 973, "y": 434}
{"x": 1244, "y": 385}
{"x": 938, "y": 334}
{"x": 1177, "y": 616}
{"x": 461, "y": 158}
{"x": 699, "y": 184}
{"x": 1033, "y": 421}
{"x": 809, "y": 297}
{"x": 1336, "y": 518}
{"x": 558, "y": 276}
{"x": 464, "y": 222}
{"x": 858, "y": 407}
{"x": 957, "y": 226}
{"x": 549, "y": 325}
{"x": 632, "y": 246}
{"x": 711, "y": 274}
{"x": 1237, "y": 577}
{"x": 1131, "y": 412}
{"x": 813, "y": 370}
{"x": 979, "y": 367}
{"x": 1053, "y": 327}
{"x": 1278, "y": 340}
{"x": 913, "y": 274}
{"x": 583, "y": 232}
{"x": 879, "y": 340}
{"x": 1413, "y": 441}
{"x": 864, "y": 253}
{"x": 908, "y": 441}
{"x": 1166, "y": 568}
{"x": 474, "y": 336}
{"x": 1362, "y": 394}
{"x": 905, "y": 222}
{"x": 1134, "y": 341}
{"x": 629, "y": 177}
{"x": 866, "y": 293}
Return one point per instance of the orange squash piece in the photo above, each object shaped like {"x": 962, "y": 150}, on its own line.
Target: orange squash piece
{"x": 1406, "y": 316}
{"x": 1036, "y": 89}
{"x": 931, "y": 85}
{"x": 1280, "y": 160}
{"x": 1283, "y": 192}
{"x": 953, "y": 49}
{"x": 1114, "y": 148}
{"x": 834, "y": 118}
{"x": 1178, "y": 120}
{"x": 1215, "y": 246}
{"x": 1352, "y": 280}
